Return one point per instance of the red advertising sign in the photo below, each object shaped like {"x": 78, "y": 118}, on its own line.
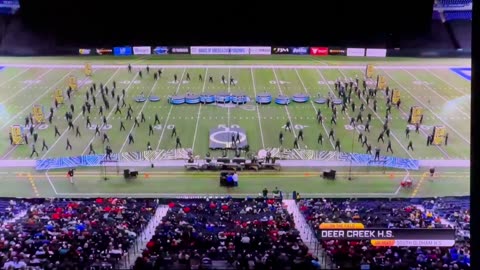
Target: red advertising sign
{"x": 319, "y": 51}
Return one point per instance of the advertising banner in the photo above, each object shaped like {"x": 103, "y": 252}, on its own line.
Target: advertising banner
{"x": 239, "y": 50}
{"x": 299, "y": 50}
{"x": 103, "y": 51}
{"x": 85, "y": 51}
{"x": 318, "y": 51}
{"x": 260, "y": 50}
{"x": 122, "y": 51}
{"x": 355, "y": 52}
{"x": 337, "y": 51}
{"x": 142, "y": 50}
{"x": 376, "y": 53}
{"x": 209, "y": 50}
{"x": 178, "y": 50}
{"x": 160, "y": 50}
{"x": 280, "y": 50}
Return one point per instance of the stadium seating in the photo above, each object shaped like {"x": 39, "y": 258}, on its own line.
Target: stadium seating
{"x": 458, "y": 15}
{"x": 454, "y": 3}
{"x": 438, "y": 39}
{"x": 391, "y": 214}
{"x": 462, "y": 30}
{"x": 64, "y": 233}
{"x": 228, "y": 233}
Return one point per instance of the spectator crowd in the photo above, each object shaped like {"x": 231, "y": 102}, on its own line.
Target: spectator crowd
{"x": 227, "y": 233}
{"x": 73, "y": 234}
{"x": 400, "y": 213}
{"x": 222, "y": 233}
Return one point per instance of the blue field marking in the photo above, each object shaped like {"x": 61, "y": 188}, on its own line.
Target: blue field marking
{"x": 1, "y": 67}
{"x": 463, "y": 72}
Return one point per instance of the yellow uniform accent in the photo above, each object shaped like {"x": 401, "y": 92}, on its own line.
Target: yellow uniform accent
{"x": 88, "y": 69}
{"x": 59, "y": 96}
{"x": 417, "y": 113}
{"x": 369, "y": 71}
{"x": 38, "y": 114}
{"x": 17, "y": 134}
{"x": 439, "y": 135}
{"x": 381, "y": 82}
{"x": 72, "y": 82}
{"x": 395, "y": 96}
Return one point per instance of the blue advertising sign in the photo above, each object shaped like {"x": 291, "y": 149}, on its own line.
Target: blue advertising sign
{"x": 122, "y": 51}
{"x": 160, "y": 50}
{"x": 299, "y": 50}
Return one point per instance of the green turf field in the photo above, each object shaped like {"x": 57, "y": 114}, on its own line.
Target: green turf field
{"x": 366, "y": 182}
{"x": 444, "y": 95}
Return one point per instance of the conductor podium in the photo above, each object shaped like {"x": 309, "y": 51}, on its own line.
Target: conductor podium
{"x": 329, "y": 175}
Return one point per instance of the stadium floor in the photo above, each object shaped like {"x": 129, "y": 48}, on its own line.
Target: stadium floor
{"x": 430, "y": 83}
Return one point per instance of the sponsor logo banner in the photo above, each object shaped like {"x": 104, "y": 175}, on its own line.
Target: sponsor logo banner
{"x": 260, "y": 50}
{"x": 280, "y": 50}
{"x": 142, "y": 50}
{"x": 355, "y": 52}
{"x": 376, "y": 53}
{"x": 299, "y": 50}
{"x": 104, "y": 51}
{"x": 209, "y": 50}
{"x": 337, "y": 51}
{"x": 239, "y": 50}
{"x": 84, "y": 51}
{"x": 319, "y": 51}
{"x": 179, "y": 50}
{"x": 122, "y": 51}
{"x": 160, "y": 50}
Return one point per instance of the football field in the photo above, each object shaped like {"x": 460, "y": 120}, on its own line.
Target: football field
{"x": 443, "y": 93}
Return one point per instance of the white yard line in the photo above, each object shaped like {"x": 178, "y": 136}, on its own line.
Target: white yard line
{"x": 428, "y": 108}
{"x": 258, "y": 110}
{"x": 442, "y": 97}
{"x": 139, "y": 113}
{"x": 29, "y": 107}
{"x": 109, "y": 114}
{"x": 445, "y": 81}
{"x": 14, "y": 77}
{"x": 51, "y": 184}
{"x": 25, "y": 87}
{"x": 266, "y": 66}
{"x": 292, "y": 125}
{"x": 10, "y": 151}
{"x": 313, "y": 105}
{"x": 381, "y": 121}
{"x": 170, "y": 111}
{"x": 228, "y": 107}
{"x": 74, "y": 120}
{"x": 199, "y": 111}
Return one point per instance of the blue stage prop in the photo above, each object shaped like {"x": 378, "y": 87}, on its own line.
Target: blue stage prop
{"x": 154, "y": 98}
{"x": 176, "y": 100}
{"x": 222, "y": 98}
{"x": 320, "y": 100}
{"x": 192, "y": 99}
{"x": 282, "y": 100}
{"x": 207, "y": 98}
{"x": 337, "y": 101}
{"x": 264, "y": 98}
{"x": 300, "y": 98}
{"x": 240, "y": 98}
